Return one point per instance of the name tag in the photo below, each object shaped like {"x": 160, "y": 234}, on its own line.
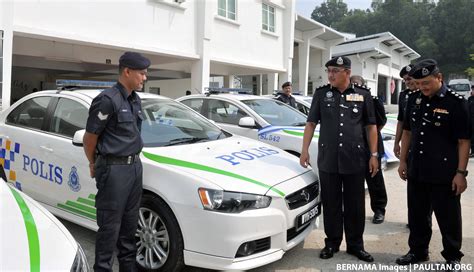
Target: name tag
{"x": 443, "y": 111}
{"x": 355, "y": 97}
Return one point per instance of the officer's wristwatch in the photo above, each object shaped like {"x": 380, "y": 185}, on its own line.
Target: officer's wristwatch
{"x": 375, "y": 154}
{"x": 462, "y": 172}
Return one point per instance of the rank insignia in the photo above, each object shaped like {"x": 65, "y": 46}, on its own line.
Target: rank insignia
{"x": 329, "y": 94}
{"x": 355, "y": 97}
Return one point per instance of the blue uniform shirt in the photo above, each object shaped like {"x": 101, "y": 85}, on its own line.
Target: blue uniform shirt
{"x": 436, "y": 125}
{"x": 343, "y": 117}
{"x": 116, "y": 117}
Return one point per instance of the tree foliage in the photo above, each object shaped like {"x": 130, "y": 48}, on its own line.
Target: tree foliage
{"x": 443, "y": 30}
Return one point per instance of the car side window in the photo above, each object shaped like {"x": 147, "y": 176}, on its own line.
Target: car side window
{"x": 224, "y": 112}
{"x": 302, "y": 108}
{"x": 30, "y": 114}
{"x": 69, "y": 117}
{"x": 195, "y": 104}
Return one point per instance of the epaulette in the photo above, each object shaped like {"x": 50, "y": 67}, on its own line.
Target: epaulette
{"x": 363, "y": 87}
{"x": 410, "y": 92}
{"x": 454, "y": 94}
{"x": 324, "y": 86}
{"x": 375, "y": 97}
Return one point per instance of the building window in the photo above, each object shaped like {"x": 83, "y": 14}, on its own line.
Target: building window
{"x": 268, "y": 18}
{"x": 226, "y": 8}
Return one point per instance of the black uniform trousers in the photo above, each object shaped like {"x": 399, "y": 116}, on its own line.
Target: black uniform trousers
{"x": 423, "y": 199}
{"x": 377, "y": 191}
{"x": 343, "y": 199}
{"x": 118, "y": 202}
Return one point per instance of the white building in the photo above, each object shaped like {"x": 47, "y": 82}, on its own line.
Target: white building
{"x": 187, "y": 41}
{"x": 378, "y": 59}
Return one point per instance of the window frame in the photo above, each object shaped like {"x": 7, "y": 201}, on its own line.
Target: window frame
{"x": 46, "y": 118}
{"x": 266, "y": 10}
{"x": 227, "y": 13}
{"x": 49, "y": 125}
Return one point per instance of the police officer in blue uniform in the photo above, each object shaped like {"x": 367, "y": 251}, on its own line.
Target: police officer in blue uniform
{"x": 376, "y": 184}
{"x": 286, "y": 96}
{"x": 434, "y": 156}
{"x": 344, "y": 111}
{"x": 402, "y": 102}
{"x": 112, "y": 144}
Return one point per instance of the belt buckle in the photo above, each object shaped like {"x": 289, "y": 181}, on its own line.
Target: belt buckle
{"x": 129, "y": 159}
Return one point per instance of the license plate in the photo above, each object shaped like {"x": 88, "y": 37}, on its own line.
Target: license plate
{"x": 304, "y": 218}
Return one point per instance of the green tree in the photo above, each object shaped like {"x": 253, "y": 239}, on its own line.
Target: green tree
{"x": 330, "y": 12}
{"x": 470, "y": 70}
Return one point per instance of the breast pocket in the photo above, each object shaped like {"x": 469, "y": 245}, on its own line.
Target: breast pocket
{"x": 440, "y": 121}
{"x": 125, "y": 123}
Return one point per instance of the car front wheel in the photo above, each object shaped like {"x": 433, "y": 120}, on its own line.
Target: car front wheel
{"x": 159, "y": 240}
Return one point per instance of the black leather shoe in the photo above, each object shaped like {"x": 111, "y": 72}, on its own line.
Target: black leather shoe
{"x": 411, "y": 258}
{"x": 328, "y": 252}
{"x": 378, "y": 218}
{"x": 454, "y": 265}
{"x": 362, "y": 255}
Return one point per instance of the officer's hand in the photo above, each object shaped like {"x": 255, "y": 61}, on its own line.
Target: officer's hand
{"x": 304, "y": 159}
{"x": 91, "y": 170}
{"x": 373, "y": 166}
{"x": 402, "y": 170}
{"x": 459, "y": 184}
{"x": 396, "y": 150}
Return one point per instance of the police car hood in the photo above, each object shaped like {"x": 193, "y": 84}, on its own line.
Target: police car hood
{"x": 31, "y": 236}
{"x": 234, "y": 164}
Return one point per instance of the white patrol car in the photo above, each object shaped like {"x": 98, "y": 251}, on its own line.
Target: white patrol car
{"x": 303, "y": 104}
{"x": 257, "y": 117}
{"x": 210, "y": 199}
{"x": 32, "y": 239}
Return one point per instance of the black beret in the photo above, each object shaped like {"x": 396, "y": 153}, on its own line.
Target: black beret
{"x": 286, "y": 84}
{"x": 134, "y": 60}
{"x": 339, "y": 62}
{"x": 424, "y": 68}
{"x": 405, "y": 70}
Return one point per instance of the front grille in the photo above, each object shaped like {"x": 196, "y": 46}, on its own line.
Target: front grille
{"x": 292, "y": 233}
{"x": 303, "y": 196}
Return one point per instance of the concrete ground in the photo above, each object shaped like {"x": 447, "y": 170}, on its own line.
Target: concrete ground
{"x": 385, "y": 242}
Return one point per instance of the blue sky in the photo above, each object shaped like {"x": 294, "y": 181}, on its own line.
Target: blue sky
{"x": 305, "y": 7}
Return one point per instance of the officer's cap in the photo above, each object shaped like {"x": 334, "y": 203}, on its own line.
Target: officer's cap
{"x": 286, "y": 84}
{"x": 342, "y": 61}
{"x": 424, "y": 68}
{"x": 134, "y": 60}
{"x": 405, "y": 70}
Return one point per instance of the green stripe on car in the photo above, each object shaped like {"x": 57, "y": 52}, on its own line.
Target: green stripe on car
{"x": 31, "y": 232}
{"x": 186, "y": 164}
{"x": 297, "y": 133}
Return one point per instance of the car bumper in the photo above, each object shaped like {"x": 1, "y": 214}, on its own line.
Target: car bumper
{"x": 212, "y": 239}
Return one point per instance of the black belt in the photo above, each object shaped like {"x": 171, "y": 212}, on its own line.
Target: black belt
{"x": 110, "y": 159}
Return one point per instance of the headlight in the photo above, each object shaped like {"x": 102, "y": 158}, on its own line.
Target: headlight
{"x": 80, "y": 262}
{"x": 232, "y": 202}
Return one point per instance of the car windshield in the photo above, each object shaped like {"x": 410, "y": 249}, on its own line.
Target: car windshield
{"x": 167, "y": 123}
{"x": 309, "y": 100}
{"x": 460, "y": 87}
{"x": 276, "y": 113}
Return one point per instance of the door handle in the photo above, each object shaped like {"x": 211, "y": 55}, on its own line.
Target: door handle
{"x": 46, "y": 148}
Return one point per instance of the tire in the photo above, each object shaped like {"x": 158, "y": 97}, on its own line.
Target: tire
{"x": 164, "y": 237}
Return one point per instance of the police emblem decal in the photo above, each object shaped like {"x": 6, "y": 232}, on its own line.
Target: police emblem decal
{"x": 329, "y": 94}
{"x": 74, "y": 180}
{"x": 425, "y": 72}
{"x": 340, "y": 61}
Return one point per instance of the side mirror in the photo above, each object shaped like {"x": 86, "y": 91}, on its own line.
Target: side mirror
{"x": 247, "y": 122}
{"x": 78, "y": 136}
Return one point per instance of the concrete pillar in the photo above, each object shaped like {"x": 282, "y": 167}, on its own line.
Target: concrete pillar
{"x": 272, "y": 84}
{"x": 388, "y": 94}
{"x": 229, "y": 81}
{"x": 303, "y": 65}
{"x": 260, "y": 85}
{"x": 200, "y": 69}
{"x": 399, "y": 88}
{"x": 6, "y": 24}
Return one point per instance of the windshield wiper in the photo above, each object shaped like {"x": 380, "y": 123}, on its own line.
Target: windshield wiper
{"x": 299, "y": 124}
{"x": 187, "y": 140}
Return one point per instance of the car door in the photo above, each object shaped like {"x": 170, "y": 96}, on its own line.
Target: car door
{"x": 77, "y": 190}
{"x": 227, "y": 115}
{"x": 24, "y": 153}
